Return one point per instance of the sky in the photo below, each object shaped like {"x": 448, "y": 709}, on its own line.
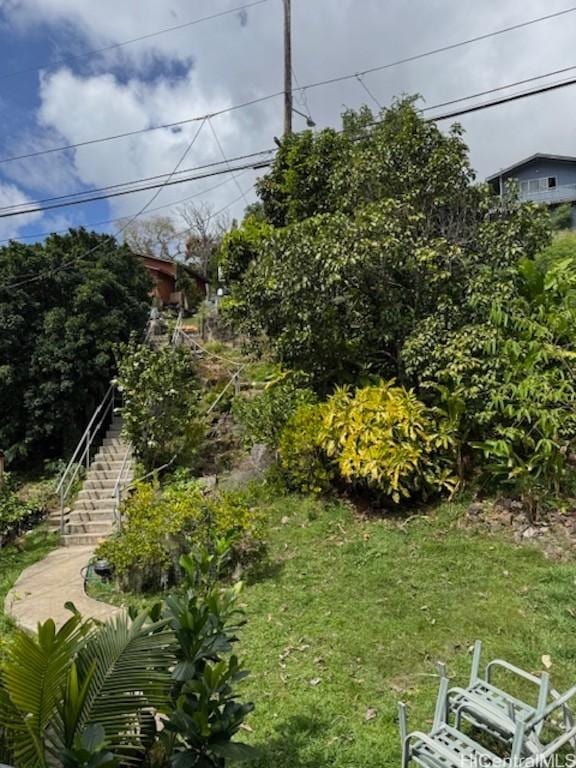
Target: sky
{"x": 52, "y": 94}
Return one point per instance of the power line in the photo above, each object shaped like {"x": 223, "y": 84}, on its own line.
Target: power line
{"x": 501, "y": 88}
{"x": 106, "y": 196}
{"x": 442, "y": 49}
{"x": 504, "y": 100}
{"x": 95, "y": 51}
{"x": 221, "y": 148}
{"x": 139, "y": 131}
{"x": 277, "y": 94}
{"x": 40, "y": 235}
{"x": 84, "y": 193}
{"x": 123, "y": 228}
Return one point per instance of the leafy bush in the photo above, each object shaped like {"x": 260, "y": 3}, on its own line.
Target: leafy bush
{"x": 205, "y": 714}
{"x": 384, "y": 438}
{"x": 16, "y": 514}
{"x": 160, "y": 412}
{"x": 160, "y": 525}
{"x": 264, "y": 416}
{"x": 303, "y": 465}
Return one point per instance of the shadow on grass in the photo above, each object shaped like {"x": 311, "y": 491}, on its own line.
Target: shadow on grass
{"x": 293, "y": 746}
{"x": 263, "y": 570}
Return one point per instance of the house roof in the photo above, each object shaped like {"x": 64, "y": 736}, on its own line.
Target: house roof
{"x": 537, "y": 156}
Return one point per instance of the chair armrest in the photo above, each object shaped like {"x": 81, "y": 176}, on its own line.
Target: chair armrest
{"x": 511, "y": 668}
{"x": 426, "y": 739}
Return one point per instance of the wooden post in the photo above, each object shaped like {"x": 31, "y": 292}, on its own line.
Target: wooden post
{"x": 287, "y": 67}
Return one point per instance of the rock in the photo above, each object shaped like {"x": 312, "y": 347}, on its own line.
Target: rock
{"x": 208, "y": 483}
{"x": 262, "y": 456}
{"x": 530, "y": 533}
{"x": 475, "y": 510}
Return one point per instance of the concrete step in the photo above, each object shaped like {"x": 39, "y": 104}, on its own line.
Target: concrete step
{"x": 96, "y": 504}
{"x": 102, "y": 528}
{"x": 97, "y": 483}
{"x": 82, "y": 539}
{"x": 102, "y": 474}
{"x": 112, "y": 454}
{"x": 91, "y": 516}
{"x": 114, "y": 441}
{"x": 93, "y": 494}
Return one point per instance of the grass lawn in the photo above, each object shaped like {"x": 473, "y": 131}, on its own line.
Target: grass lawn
{"x": 353, "y": 614}
{"x": 13, "y": 560}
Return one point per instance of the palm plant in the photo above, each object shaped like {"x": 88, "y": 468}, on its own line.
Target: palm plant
{"x": 56, "y": 687}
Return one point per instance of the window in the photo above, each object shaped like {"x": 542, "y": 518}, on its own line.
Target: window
{"x": 534, "y": 186}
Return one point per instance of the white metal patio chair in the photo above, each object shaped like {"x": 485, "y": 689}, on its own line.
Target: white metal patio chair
{"x": 447, "y": 747}
{"x": 495, "y": 710}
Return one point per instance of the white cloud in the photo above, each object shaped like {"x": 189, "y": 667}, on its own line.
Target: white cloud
{"x": 234, "y": 63}
{"x": 12, "y": 195}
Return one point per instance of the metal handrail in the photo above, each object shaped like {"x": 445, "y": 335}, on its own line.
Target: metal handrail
{"x": 81, "y": 456}
{"x": 119, "y": 486}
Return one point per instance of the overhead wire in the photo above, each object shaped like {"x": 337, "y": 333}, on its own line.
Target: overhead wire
{"x": 307, "y": 87}
{"x": 108, "y": 195}
{"x": 122, "y": 229}
{"x": 141, "y": 180}
{"x": 221, "y": 149}
{"x": 40, "y": 235}
{"x": 123, "y": 43}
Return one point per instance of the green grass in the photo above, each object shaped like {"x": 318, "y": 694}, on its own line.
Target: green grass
{"x": 353, "y": 614}
{"x": 13, "y": 560}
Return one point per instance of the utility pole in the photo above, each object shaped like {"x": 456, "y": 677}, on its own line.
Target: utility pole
{"x": 287, "y": 67}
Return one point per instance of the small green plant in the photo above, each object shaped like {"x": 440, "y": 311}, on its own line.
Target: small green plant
{"x": 384, "y": 438}
{"x": 206, "y": 713}
{"x": 160, "y": 411}
{"x": 304, "y": 467}
{"x": 16, "y": 513}
{"x": 264, "y": 416}
{"x": 159, "y": 525}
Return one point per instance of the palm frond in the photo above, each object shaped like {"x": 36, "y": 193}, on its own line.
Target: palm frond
{"x": 129, "y": 663}
{"x": 33, "y": 680}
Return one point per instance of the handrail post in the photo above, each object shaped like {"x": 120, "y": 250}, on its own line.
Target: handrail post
{"x": 88, "y": 448}
{"x": 62, "y": 510}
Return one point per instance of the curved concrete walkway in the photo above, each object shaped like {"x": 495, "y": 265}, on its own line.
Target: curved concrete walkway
{"x": 42, "y": 589}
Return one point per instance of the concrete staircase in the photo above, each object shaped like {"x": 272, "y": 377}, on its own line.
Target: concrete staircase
{"x": 91, "y": 519}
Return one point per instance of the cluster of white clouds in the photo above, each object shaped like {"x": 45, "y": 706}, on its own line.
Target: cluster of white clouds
{"x": 238, "y": 57}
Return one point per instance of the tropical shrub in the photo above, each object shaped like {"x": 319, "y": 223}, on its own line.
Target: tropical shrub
{"x": 60, "y": 326}
{"x": 382, "y": 437}
{"x": 16, "y": 514}
{"x": 264, "y": 416}
{"x": 206, "y": 713}
{"x": 159, "y": 525}
{"x": 56, "y": 685}
{"x": 304, "y": 466}
{"x": 160, "y": 411}
{"x": 513, "y": 375}
{"x": 91, "y": 695}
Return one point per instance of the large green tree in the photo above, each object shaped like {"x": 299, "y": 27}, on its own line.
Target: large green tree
{"x": 64, "y": 306}
{"x": 371, "y": 235}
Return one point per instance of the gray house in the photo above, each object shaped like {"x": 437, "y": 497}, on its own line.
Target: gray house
{"x": 548, "y": 179}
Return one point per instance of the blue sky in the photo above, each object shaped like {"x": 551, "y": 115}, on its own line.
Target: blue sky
{"x": 238, "y": 57}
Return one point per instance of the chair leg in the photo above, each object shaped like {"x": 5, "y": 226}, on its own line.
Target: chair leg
{"x": 542, "y": 698}
{"x": 441, "y": 703}
{"x": 403, "y": 723}
{"x": 475, "y": 671}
